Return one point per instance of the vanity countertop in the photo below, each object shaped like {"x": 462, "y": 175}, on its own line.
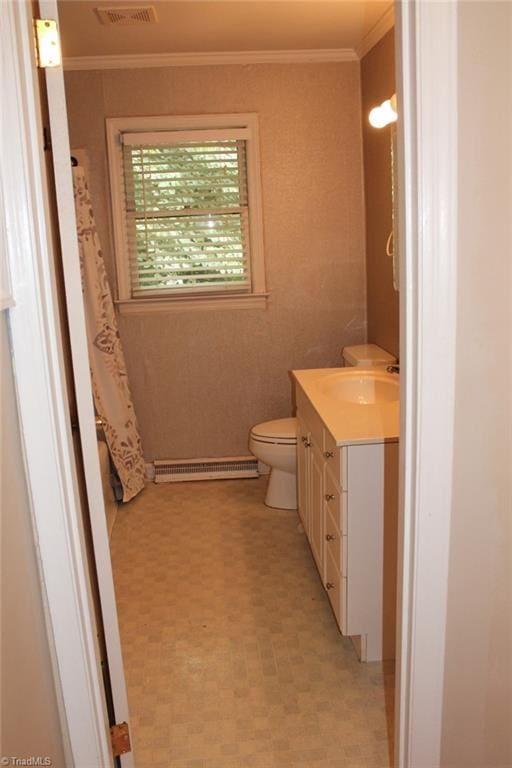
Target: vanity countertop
{"x": 349, "y": 423}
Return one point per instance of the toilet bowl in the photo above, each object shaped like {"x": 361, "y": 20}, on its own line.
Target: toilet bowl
{"x": 275, "y": 444}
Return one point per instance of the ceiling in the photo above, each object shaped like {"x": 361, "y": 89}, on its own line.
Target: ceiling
{"x": 203, "y": 26}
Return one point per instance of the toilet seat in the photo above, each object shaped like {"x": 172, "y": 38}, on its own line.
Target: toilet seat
{"x": 278, "y": 431}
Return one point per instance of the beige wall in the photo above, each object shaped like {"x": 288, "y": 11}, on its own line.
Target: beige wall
{"x": 378, "y": 84}
{"x": 30, "y": 724}
{"x": 477, "y": 713}
{"x": 201, "y": 378}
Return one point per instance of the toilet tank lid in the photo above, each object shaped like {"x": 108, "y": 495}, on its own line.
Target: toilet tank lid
{"x": 285, "y": 428}
{"x": 367, "y": 355}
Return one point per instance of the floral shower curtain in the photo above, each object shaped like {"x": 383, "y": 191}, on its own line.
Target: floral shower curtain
{"x": 112, "y": 398}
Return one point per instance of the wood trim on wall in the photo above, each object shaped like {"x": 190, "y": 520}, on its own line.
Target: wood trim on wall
{"x": 183, "y": 303}
{"x": 381, "y": 28}
{"x": 144, "y": 61}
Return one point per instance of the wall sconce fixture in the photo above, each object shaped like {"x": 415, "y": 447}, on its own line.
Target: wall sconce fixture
{"x": 384, "y": 114}
{"x": 387, "y": 114}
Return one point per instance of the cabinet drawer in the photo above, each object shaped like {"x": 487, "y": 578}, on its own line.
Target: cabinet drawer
{"x": 336, "y": 587}
{"x": 311, "y": 419}
{"x": 335, "y": 501}
{"x": 336, "y": 460}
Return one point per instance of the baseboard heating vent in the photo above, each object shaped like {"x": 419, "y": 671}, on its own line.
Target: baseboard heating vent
{"x": 205, "y": 469}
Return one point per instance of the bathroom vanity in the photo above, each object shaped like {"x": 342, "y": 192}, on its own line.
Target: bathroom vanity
{"x": 347, "y": 453}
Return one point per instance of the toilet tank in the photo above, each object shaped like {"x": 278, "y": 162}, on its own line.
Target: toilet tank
{"x": 367, "y": 356}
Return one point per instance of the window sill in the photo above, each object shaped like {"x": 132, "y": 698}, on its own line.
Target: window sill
{"x": 187, "y": 303}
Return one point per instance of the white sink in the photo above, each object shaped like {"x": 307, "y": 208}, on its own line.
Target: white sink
{"x": 361, "y": 387}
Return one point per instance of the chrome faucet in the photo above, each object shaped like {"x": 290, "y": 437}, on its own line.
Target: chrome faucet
{"x": 393, "y": 369}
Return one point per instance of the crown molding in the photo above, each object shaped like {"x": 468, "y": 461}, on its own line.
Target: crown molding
{"x": 376, "y": 33}
{"x": 143, "y": 61}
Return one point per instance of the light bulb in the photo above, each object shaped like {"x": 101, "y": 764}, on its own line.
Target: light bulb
{"x": 384, "y": 114}
{"x": 389, "y": 113}
{"x": 377, "y": 117}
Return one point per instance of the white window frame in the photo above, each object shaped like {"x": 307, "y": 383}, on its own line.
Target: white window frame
{"x": 257, "y": 296}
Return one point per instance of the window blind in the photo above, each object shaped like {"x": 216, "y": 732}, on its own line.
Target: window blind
{"x": 186, "y": 213}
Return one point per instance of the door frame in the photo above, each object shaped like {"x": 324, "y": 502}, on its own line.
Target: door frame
{"x": 77, "y": 331}
{"x": 43, "y": 406}
{"x": 427, "y": 90}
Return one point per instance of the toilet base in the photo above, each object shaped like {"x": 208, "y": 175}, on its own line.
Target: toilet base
{"x": 281, "y": 490}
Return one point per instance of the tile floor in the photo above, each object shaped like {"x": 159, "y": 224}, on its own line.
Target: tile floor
{"x": 232, "y": 655}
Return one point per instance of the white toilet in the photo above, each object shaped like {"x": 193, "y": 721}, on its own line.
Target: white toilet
{"x": 367, "y": 356}
{"x": 274, "y": 443}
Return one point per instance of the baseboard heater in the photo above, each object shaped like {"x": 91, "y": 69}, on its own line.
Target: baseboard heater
{"x": 180, "y": 470}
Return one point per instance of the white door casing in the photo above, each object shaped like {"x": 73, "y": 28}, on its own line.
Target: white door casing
{"x": 61, "y": 153}
{"x": 427, "y": 79}
{"x": 43, "y": 404}
{"x": 35, "y": 327}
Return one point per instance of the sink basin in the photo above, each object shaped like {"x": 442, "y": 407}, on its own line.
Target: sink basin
{"x": 361, "y": 387}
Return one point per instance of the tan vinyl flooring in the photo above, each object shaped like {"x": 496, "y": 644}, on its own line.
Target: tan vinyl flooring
{"x": 231, "y": 652}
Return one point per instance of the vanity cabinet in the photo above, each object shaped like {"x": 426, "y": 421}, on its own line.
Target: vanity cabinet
{"x": 348, "y": 501}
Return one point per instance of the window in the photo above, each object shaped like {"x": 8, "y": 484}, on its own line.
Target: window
{"x": 187, "y": 211}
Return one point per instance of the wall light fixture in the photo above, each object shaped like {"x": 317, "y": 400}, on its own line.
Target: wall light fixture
{"x": 384, "y": 114}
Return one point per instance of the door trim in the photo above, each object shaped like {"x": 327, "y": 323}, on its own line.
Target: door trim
{"x": 43, "y": 405}
{"x": 67, "y": 227}
{"x": 427, "y": 80}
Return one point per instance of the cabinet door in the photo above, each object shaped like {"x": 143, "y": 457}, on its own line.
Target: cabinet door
{"x": 316, "y": 510}
{"x": 303, "y": 456}
{"x": 336, "y": 587}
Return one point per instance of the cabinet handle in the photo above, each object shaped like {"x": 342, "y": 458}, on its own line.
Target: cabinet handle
{"x": 307, "y": 444}
{"x": 330, "y": 537}
{"x": 304, "y": 439}
{"x": 328, "y": 454}
{"x": 329, "y": 496}
{"x": 329, "y": 585}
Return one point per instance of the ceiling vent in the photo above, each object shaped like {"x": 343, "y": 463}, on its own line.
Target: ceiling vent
{"x": 122, "y": 15}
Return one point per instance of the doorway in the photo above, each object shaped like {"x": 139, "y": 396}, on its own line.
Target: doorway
{"x": 445, "y": 382}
